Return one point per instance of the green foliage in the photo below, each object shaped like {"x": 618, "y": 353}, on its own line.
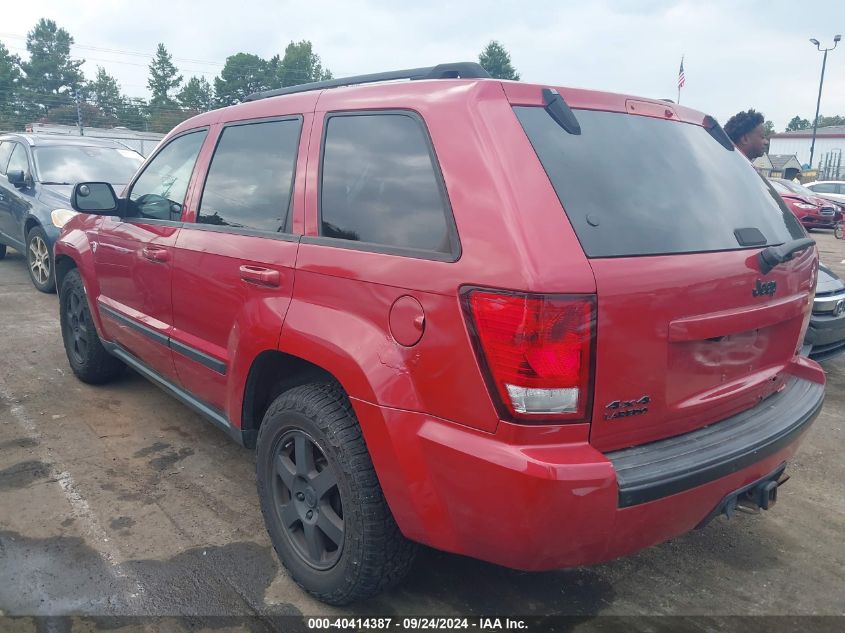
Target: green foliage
{"x": 196, "y": 95}
{"x": 164, "y": 77}
{"x": 11, "y": 81}
{"x": 830, "y": 120}
{"x": 104, "y": 92}
{"x": 243, "y": 74}
{"x": 768, "y": 129}
{"x": 301, "y": 65}
{"x": 52, "y": 76}
{"x": 497, "y": 61}
{"x": 47, "y": 85}
{"x": 797, "y": 123}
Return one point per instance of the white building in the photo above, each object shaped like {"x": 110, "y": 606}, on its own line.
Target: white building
{"x": 829, "y": 152}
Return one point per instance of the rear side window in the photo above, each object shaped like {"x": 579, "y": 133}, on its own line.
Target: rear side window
{"x": 251, "y": 176}
{"x": 6, "y": 148}
{"x": 825, "y": 187}
{"x": 380, "y": 184}
{"x": 635, "y": 185}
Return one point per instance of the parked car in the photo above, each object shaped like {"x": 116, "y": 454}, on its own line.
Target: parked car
{"x": 811, "y": 211}
{"x": 461, "y": 312}
{"x": 38, "y": 173}
{"x": 826, "y": 335}
{"x": 831, "y": 189}
{"x": 819, "y": 200}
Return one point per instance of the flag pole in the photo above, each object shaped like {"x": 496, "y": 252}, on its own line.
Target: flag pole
{"x": 679, "y": 83}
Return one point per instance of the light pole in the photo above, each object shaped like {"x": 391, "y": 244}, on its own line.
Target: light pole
{"x": 821, "y": 82}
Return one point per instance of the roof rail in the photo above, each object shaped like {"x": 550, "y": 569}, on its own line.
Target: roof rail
{"x": 462, "y": 70}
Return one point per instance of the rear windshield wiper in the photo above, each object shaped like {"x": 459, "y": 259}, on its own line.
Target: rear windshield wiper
{"x": 774, "y": 255}
{"x": 560, "y": 111}
{"x": 47, "y": 182}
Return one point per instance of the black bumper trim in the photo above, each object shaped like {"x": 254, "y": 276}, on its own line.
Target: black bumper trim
{"x": 659, "y": 469}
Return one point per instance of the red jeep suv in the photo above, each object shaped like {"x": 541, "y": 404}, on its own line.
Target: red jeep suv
{"x": 538, "y": 326}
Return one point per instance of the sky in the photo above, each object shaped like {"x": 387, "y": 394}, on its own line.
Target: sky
{"x": 738, "y": 54}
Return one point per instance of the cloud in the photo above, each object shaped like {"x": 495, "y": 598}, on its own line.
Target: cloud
{"x": 738, "y": 55}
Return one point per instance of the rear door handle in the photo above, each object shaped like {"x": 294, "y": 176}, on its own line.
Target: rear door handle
{"x": 155, "y": 254}
{"x": 260, "y": 276}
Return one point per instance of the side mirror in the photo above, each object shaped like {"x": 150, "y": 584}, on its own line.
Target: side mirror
{"x": 17, "y": 178}
{"x": 97, "y": 198}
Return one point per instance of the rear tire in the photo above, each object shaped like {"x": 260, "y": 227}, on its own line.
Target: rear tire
{"x": 314, "y": 472}
{"x": 2, "y": 251}
{"x": 839, "y": 231}
{"x": 88, "y": 359}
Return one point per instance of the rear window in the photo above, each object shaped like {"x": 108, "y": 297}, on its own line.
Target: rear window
{"x": 634, "y": 185}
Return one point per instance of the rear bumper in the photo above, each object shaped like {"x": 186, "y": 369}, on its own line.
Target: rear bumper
{"x": 542, "y": 506}
{"x": 663, "y": 468}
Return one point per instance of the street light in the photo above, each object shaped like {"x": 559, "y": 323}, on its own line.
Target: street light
{"x": 821, "y": 82}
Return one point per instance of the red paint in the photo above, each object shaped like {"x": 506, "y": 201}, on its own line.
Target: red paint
{"x": 684, "y": 329}
{"x": 808, "y": 210}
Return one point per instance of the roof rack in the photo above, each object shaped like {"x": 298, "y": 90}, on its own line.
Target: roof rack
{"x": 462, "y": 70}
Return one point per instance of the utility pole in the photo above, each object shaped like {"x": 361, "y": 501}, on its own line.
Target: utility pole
{"x": 821, "y": 83}
{"x": 79, "y": 115}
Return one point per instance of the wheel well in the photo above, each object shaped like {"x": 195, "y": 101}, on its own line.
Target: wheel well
{"x": 64, "y": 265}
{"x": 27, "y": 227}
{"x": 272, "y": 373}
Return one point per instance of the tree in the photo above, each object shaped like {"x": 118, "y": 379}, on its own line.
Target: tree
{"x": 497, "y": 61}
{"x": 768, "y": 129}
{"x": 196, "y": 95}
{"x": 164, "y": 77}
{"x": 132, "y": 113}
{"x": 11, "y": 79}
{"x": 104, "y": 92}
{"x": 824, "y": 121}
{"x": 52, "y": 77}
{"x": 797, "y": 123}
{"x": 301, "y": 65}
{"x": 242, "y": 75}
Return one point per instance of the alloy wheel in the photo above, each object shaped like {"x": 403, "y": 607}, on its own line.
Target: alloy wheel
{"x": 308, "y": 501}
{"x": 39, "y": 260}
{"x": 76, "y": 329}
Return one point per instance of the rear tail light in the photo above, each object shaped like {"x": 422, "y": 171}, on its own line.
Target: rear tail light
{"x": 536, "y": 352}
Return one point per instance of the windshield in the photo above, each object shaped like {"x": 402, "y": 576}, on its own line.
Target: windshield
{"x": 799, "y": 189}
{"x": 69, "y": 164}
{"x": 636, "y": 185}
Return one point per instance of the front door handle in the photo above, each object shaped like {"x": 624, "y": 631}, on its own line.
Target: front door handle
{"x": 155, "y": 254}
{"x": 260, "y": 276}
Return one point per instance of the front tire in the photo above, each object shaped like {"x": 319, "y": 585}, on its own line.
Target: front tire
{"x": 321, "y": 500}
{"x": 39, "y": 257}
{"x": 2, "y": 251}
{"x": 88, "y": 359}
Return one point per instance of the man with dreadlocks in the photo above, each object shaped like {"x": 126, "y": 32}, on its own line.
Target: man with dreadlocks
{"x": 747, "y": 132}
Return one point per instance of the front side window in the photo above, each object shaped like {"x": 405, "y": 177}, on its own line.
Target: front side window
{"x": 824, "y": 187}
{"x": 159, "y": 192}
{"x": 379, "y": 184}
{"x": 251, "y": 176}
{"x": 6, "y": 148}
{"x": 18, "y": 161}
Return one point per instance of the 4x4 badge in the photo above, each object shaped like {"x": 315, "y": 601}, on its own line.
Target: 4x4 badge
{"x": 626, "y": 408}
{"x": 767, "y": 288}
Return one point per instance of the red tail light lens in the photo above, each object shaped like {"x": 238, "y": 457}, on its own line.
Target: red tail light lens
{"x": 537, "y": 351}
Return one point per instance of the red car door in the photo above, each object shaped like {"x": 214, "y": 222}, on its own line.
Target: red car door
{"x": 235, "y": 257}
{"x": 133, "y": 255}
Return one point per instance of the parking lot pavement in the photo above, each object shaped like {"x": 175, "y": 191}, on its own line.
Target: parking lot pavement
{"x": 117, "y": 500}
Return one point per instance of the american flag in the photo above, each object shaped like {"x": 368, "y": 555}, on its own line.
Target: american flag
{"x": 681, "y": 78}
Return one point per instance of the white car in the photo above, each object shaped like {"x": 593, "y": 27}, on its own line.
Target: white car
{"x": 830, "y": 189}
